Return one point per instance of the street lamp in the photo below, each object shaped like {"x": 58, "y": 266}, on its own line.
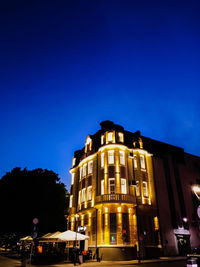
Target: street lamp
{"x": 136, "y": 210}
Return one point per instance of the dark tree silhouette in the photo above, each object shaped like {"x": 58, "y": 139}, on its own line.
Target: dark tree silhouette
{"x": 25, "y": 195}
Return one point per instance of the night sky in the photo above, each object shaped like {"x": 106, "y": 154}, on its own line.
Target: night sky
{"x": 65, "y": 66}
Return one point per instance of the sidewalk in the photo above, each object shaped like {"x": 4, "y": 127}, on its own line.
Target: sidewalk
{"x": 114, "y": 263}
{"x": 9, "y": 262}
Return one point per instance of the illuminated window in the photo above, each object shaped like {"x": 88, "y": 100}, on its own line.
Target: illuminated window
{"x": 73, "y": 162}
{"x": 81, "y": 169}
{"x": 102, "y": 187}
{"x": 72, "y": 179}
{"x": 89, "y": 193}
{"x": 142, "y": 162}
{"x": 121, "y": 137}
{"x": 84, "y": 169}
{"x": 83, "y": 195}
{"x": 90, "y": 167}
{"x": 71, "y": 201}
{"x": 111, "y": 157}
{"x": 145, "y": 189}
{"x": 102, "y": 139}
{"x": 102, "y": 159}
{"x": 122, "y": 157}
{"x": 79, "y": 197}
{"x": 88, "y": 144}
{"x": 123, "y": 186}
{"x": 135, "y": 161}
{"x": 137, "y": 188}
{"x": 112, "y": 186}
{"x": 110, "y": 136}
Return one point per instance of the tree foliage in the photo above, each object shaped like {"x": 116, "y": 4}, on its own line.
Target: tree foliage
{"x": 25, "y": 195}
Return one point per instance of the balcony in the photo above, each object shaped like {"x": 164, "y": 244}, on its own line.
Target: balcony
{"x": 115, "y": 198}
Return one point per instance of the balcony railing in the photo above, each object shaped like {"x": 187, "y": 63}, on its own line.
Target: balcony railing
{"x": 116, "y": 198}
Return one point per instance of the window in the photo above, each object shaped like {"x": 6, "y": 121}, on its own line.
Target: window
{"x": 72, "y": 179}
{"x": 84, "y": 169}
{"x": 102, "y": 187}
{"x": 73, "y": 162}
{"x": 102, "y": 159}
{"x": 121, "y": 137}
{"x": 123, "y": 186}
{"x": 122, "y": 157}
{"x": 125, "y": 228}
{"x": 90, "y": 167}
{"x": 79, "y": 197}
{"x": 145, "y": 189}
{"x": 142, "y": 162}
{"x": 83, "y": 195}
{"x": 135, "y": 161}
{"x": 137, "y": 188}
{"x": 110, "y": 136}
{"x": 113, "y": 228}
{"x": 102, "y": 139}
{"x": 88, "y": 144}
{"x": 111, "y": 157}
{"x": 112, "y": 186}
{"x": 71, "y": 201}
{"x": 81, "y": 169}
{"x": 89, "y": 193}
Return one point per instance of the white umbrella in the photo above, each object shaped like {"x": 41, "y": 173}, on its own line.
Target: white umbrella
{"x": 71, "y": 236}
{"x": 26, "y": 238}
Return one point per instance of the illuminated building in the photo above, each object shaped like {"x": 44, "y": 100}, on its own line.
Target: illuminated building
{"x": 127, "y": 191}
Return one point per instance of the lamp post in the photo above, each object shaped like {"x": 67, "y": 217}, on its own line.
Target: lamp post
{"x": 136, "y": 210}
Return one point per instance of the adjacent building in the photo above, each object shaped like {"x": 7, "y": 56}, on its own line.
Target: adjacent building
{"x": 133, "y": 195}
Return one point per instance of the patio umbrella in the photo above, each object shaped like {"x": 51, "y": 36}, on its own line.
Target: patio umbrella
{"x": 72, "y": 236}
{"x": 26, "y": 238}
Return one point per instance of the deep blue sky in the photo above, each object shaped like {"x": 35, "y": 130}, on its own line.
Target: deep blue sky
{"x": 67, "y": 65}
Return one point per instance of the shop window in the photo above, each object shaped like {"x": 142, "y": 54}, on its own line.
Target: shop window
{"x": 90, "y": 167}
{"x": 122, "y": 157}
{"x": 71, "y": 201}
{"x": 89, "y": 193}
{"x": 102, "y": 159}
{"x": 142, "y": 162}
{"x": 121, "y": 137}
{"x": 111, "y": 157}
{"x": 145, "y": 189}
{"x": 102, "y": 187}
{"x": 125, "y": 228}
{"x": 113, "y": 228}
{"x": 123, "y": 186}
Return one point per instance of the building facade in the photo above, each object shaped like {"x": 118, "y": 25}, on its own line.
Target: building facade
{"x": 132, "y": 195}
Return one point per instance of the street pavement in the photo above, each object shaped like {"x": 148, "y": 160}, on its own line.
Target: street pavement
{"x": 162, "y": 262}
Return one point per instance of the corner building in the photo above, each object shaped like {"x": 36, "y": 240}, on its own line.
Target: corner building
{"x": 122, "y": 191}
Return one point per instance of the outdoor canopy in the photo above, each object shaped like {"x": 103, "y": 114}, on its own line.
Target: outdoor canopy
{"x": 71, "y": 236}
